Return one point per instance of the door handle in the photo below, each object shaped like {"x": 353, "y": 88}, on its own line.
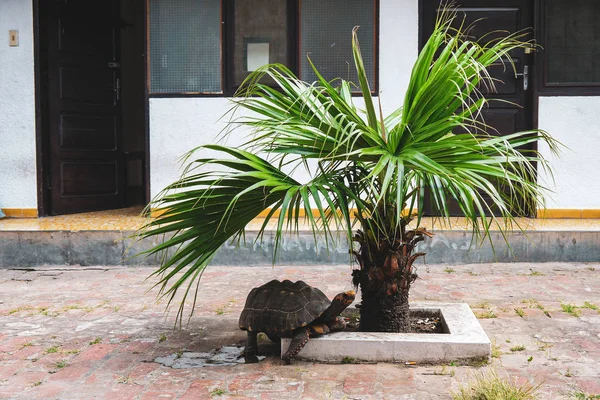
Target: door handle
{"x": 525, "y": 75}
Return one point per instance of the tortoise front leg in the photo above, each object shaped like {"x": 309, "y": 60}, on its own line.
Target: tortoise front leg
{"x": 298, "y": 342}
{"x": 251, "y": 348}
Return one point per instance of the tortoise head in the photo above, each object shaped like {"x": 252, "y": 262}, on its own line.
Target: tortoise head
{"x": 341, "y": 301}
{"x": 338, "y": 304}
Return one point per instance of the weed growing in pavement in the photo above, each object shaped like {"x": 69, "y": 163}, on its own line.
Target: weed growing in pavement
{"x": 217, "y": 392}
{"x": 580, "y": 395}
{"x": 536, "y": 273}
{"x": 96, "y": 341}
{"x": 124, "y": 379}
{"x": 348, "y": 360}
{"x": 444, "y": 371}
{"x": 570, "y": 309}
{"x": 449, "y": 270}
{"x": 533, "y": 303}
{"x": 486, "y": 314}
{"x": 53, "y": 349}
{"x": 496, "y": 352}
{"x": 520, "y": 312}
{"x": 37, "y": 383}
{"x": 490, "y": 386}
{"x": 162, "y": 338}
{"x": 568, "y": 373}
{"x": 591, "y": 306}
{"x": 516, "y": 348}
{"x": 61, "y": 364}
{"x": 481, "y": 304}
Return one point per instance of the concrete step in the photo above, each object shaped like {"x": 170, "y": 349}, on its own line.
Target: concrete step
{"x": 30, "y": 248}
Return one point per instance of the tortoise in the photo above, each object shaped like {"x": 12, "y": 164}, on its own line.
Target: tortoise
{"x": 290, "y": 310}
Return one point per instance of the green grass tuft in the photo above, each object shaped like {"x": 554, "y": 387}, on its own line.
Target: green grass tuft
{"x": 496, "y": 352}
{"x": 489, "y": 386}
{"x": 516, "y": 348}
{"x": 520, "y": 312}
{"x": 570, "y": 309}
{"x": 579, "y": 395}
{"x": 217, "y": 392}
{"x": 486, "y": 314}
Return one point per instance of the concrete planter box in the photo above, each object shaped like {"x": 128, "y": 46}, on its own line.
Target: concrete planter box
{"x": 464, "y": 340}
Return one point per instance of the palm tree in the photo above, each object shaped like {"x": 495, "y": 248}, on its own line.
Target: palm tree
{"x": 368, "y": 173}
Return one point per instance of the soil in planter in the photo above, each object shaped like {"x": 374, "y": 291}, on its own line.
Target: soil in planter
{"x": 420, "y": 321}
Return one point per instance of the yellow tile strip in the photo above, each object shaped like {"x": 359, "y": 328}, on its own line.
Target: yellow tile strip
{"x": 20, "y": 212}
{"x": 558, "y": 213}
{"x": 550, "y": 213}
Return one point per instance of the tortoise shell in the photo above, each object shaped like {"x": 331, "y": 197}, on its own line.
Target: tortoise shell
{"x": 278, "y": 308}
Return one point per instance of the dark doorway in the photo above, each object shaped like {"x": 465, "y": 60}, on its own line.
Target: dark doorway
{"x": 92, "y": 105}
{"x": 514, "y": 110}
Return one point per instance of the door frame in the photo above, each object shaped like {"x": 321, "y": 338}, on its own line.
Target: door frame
{"x": 42, "y": 145}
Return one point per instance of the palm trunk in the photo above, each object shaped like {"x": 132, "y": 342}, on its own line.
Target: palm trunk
{"x": 385, "y": 276}
{"x": 383, "y": 312}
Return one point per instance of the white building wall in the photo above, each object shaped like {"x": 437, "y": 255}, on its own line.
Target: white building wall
{"x": 179, "y": 124}
{"x": 17, "y": 108}
{"x": 575, "y": 122}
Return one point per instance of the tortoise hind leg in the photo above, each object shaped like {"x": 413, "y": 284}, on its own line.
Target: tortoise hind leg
{"x": 251, "y": 348}
{"x": 298, "y": 342}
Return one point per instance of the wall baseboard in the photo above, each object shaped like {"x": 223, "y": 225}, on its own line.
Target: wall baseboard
{"x": 559, "y": 213}
{"x": 20, "y": 212}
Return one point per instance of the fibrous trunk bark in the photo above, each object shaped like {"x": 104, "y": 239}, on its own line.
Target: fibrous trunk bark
{"x": 385, "y": 275}
{"x": 381, "y": 311}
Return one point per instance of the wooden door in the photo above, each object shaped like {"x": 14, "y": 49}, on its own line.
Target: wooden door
{"x": 83, "y": 79}
{"x": 513, "y": 112}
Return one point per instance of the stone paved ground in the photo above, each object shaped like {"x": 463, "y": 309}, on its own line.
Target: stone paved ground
{"x": 93, "y": 333}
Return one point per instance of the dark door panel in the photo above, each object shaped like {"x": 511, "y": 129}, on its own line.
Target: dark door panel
{"x": 86, "y": 132}
{"x": 84, "y": 135}
{"x": 486, "y": 20}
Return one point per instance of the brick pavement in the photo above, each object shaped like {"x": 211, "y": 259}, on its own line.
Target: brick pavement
{"x": 93, "y": 333}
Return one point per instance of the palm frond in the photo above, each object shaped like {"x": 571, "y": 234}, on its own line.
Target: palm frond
{"x": 363, "y": 167}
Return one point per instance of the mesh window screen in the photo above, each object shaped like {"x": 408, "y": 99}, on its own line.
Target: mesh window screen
{"x": 261, "y": 36}
{"x": 185, "y": 46}
{"x": 326, "y": 35}
{"x": 573, "y": 41}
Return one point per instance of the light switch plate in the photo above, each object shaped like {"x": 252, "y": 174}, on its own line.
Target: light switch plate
{"x": 13, "y": 38}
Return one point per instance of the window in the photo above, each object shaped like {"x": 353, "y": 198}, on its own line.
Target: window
{"x": 326, "y": 36}
{"x": 185, "y": 46}
{"x": 570, "y": 39}
{"x": 208, "y": 47}
{"x": 262, "y": 32}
